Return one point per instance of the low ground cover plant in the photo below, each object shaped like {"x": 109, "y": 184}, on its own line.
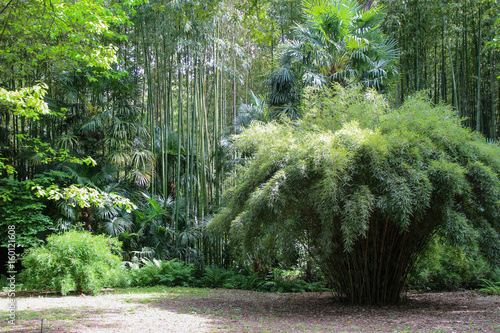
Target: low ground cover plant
{"x": 144, "y": 272}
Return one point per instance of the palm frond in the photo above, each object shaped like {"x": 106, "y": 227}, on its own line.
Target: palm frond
{"x": 142, "y": 159}
{"x": 68, "y": 141}
{"x": 118, "y": 158}
{"x": 117, "y": 225}
{"x": 141, "y": 177}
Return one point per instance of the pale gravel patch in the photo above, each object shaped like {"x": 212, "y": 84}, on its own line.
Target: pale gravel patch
{"x": 103, "y": 313}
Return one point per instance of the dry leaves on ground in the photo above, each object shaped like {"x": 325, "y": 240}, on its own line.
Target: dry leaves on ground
{"x": 199, "y": 310}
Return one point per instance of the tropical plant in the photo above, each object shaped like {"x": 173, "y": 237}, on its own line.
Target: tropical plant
{"x": 447, "y": 267}
{"x": 364, "y": 189}
{"x": 145, "y": 272}
{"x": 66, "y": 37}
{"x": 339, "y": 42}
{"x": 247, "y": 113}
{"x": 98, "y": 210}
{"x": 490, "y": 287}
{"x": 215, "y": 277}
{"x": 153, "y": 225}
{"x": 23, "y": 210}
{"x": 74, "y": 261}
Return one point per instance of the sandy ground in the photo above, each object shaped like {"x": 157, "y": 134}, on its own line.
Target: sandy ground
{"x": 249, "y": 311}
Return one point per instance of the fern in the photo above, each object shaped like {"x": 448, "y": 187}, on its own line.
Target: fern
{"x": 490, "y": 287}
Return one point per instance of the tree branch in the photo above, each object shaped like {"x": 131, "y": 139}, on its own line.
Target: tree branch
{"x": 4, "y": 8}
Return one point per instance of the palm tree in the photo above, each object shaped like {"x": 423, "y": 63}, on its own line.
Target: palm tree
{"x": 339, "y": 42}
{"x": 155, "y": 229}
{"x": 247, "y": 113}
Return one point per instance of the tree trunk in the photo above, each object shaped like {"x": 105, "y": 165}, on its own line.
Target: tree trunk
{"x": 367, "y": 5}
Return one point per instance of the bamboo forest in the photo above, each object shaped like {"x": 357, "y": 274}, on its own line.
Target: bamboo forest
{"x": 339, "y": 146}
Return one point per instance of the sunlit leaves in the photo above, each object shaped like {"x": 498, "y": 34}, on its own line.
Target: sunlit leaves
{"x": 6, "y": 167}
{"x": 63, "y": 33}
{"x": 73, "y": 261}
{"x": 333, "y": 18}
{"x": 43, "y": 153}
{"x": 84, "y": 197}
{"x": 26, "y": 102}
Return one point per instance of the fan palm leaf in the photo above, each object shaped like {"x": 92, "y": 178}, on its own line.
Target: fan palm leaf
{"x": 339, "y": 42}
{"x": 68, "y": 141}
{"x": 117, "y": 225}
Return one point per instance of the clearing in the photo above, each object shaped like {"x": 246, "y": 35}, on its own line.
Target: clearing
{"x": 163, "y": 309}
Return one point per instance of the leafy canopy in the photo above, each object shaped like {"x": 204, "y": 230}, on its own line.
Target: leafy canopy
{"x": 54, "y": 36}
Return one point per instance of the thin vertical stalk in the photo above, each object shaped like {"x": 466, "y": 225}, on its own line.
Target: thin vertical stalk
{"x": 493, "y": 126}
{"x": 455, "y": 96}
{"x": 478, "y": 95}
{"x": 179, "y": 148}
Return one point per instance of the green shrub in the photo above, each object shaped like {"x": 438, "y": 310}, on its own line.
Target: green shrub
{"x": 145, "y": 272}
{"x": 448, "y": 267}
{"x": 20, "y": 208}
{"x": 176, "y": 273}
{"x": 216, "y": 277}
{"x": 362, "y": 187}
{"x": 289, "y": 281}
{"x": 246, "y": 282}
{"x": 278, "y": 280}
{"x": 74, "y": 261}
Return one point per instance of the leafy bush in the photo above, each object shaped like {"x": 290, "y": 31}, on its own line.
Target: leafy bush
{"x": 74, "y": 261}
{"x": 176, "y": 273}
{"x": 215, "y": 277}
{"x": 364, "y": 188}
{"x": 23, "y": 210}
{"x": 247, "y": 282}
{"x": 448, "y": 267}
{"x": 145, "y": 272}
{"x": 289, "y": 281}
{"x": 277, "y": 280}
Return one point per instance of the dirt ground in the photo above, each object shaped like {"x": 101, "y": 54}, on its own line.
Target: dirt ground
{"x": 203, "y": 310}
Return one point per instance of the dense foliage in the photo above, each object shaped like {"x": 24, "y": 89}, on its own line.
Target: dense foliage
{"x": 73, "y": 261}
{"x": 145, "y": 272}
{"x": 450, "y": 267}
{"x": 116, "y": 116}
{"x": 340, "y": 42}
{"x": 22, "y": 209}
{"x": 170, "y": 273}
{"x": 364, "y": 189}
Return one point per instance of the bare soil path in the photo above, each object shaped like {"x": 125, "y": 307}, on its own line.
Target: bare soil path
{"x": 214, "y": 310}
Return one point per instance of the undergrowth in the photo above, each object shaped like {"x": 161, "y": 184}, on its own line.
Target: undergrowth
{"x": 145, "y": 272}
